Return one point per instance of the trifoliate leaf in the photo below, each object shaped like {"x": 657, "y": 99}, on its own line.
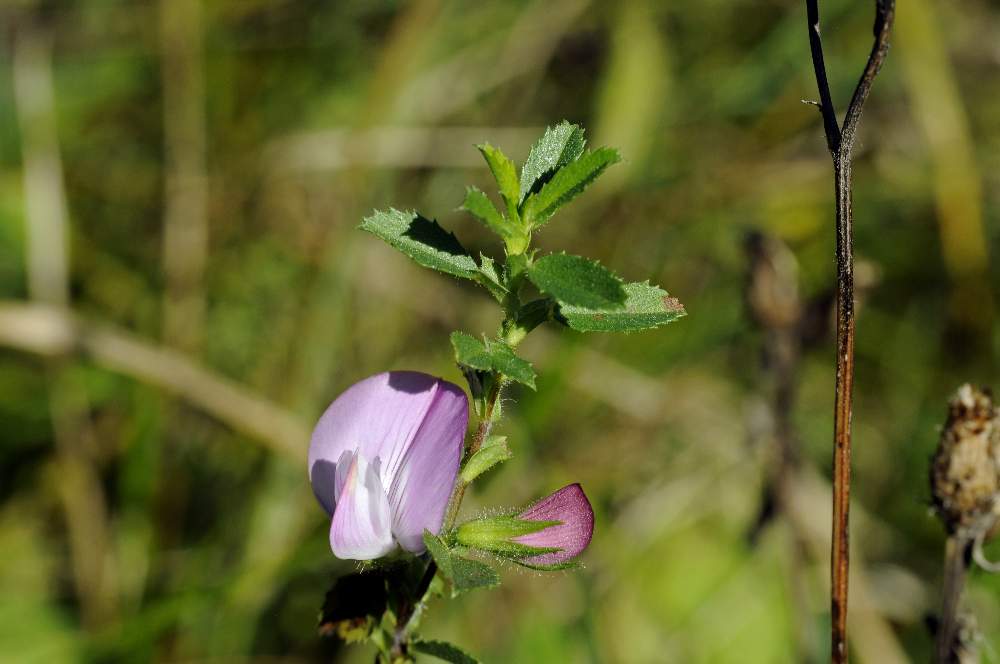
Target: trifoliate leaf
{"x": 646, "y": 307}
{"x": 481, "y": 207}
{"x": 557, "y": 147}
{"x": 567, "y": 183}
{"x": 495, "y": 450}
{"x": 423, "y": 240}
{"x": 444, "y": 651}
{"x": 491, "y": 355}
{"x": 577, "y": 281}
{"x": 505, "y": 173}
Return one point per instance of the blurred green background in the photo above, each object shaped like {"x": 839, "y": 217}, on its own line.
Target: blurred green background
{"x": 183, "y": 290}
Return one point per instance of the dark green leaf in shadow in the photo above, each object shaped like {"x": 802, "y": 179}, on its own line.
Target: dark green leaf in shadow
{"x": 423, "y": 240}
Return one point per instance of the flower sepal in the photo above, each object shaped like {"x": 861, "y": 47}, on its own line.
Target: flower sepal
{"x": 497, "y": 535}
{"x": 547, "y": 535}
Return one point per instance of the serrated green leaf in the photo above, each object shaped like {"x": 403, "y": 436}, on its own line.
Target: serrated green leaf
{"x": 423, "y": 240}
{"x": 577, "y": 281}
{"x": 471, "y": 352}
{"x": 646, "y": 307}
{"x": 444, "y": 651}
{"x": 463, "y": 573}
{"x": 491, "y": 355}
{"x": 439, "y": 552}
{"x": 495, "y": 450}
{"x": 468, "y": 574}
{"x": 505, "y": 173}
{"x": 489, "y": 278}
{"x": 509, "y": 364}
{"x": 481, "y": 207}
{"x": 557, "y": 147}
{"x": 567, "y": 183}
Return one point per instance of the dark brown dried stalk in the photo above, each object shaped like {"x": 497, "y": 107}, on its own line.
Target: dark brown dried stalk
{"x": 840, "y": 141}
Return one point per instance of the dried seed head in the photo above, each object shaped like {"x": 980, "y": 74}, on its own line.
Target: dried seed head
{"x": 965, "y": 474}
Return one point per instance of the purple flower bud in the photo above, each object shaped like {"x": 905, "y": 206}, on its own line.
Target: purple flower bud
{"x": 383, "y": 461}
{"x": 571, "y": 536}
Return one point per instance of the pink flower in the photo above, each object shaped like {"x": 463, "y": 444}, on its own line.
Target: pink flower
{"x": 570, "y": 507}
{"x": 383, "y": 461}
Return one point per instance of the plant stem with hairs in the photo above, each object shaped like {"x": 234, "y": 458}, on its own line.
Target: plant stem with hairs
{"x": 514, "y": 332}
{"x": 840, "y": 141}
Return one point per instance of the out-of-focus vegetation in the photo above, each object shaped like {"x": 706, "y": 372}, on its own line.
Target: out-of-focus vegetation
{"x": 188, "y": 176}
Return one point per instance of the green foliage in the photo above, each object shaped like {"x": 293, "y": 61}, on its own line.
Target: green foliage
{"x": 490, "y": 278}
{"x": 646, "y": 307}
{"x": 444, "y": 651}
{"x": 557, "y": 147}
{"x": 590, "y": 297}
{"x": 489, "y": 355}
{"x": 464, "y": 573}
{"x": 505, "y": 173}
{"x": 423, "y": 240}
{"x": 567, "y": 183}
{"x": 495, "y": 450}
{"x": 481, "y": 207}
{"x": 577, "y": 281}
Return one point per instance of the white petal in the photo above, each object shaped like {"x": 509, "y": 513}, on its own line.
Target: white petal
{"x": 362, "y": 525}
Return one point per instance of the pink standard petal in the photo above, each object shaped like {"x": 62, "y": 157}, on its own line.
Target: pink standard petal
{"x": 378, "y": 417}
{"x": 423, "y": 483}
{"x": 570, "y": 506}
{"x": 361, "y": 528}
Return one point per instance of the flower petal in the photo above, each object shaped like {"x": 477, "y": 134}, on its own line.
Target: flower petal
{"x": 424, "y": 479}
{"x": 362, "y": 524}
{"x": 569, "y": 505}
{"x": 377, "y": 417}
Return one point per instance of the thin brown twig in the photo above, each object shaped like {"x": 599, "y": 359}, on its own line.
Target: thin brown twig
{"x": 840, "y": 142}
